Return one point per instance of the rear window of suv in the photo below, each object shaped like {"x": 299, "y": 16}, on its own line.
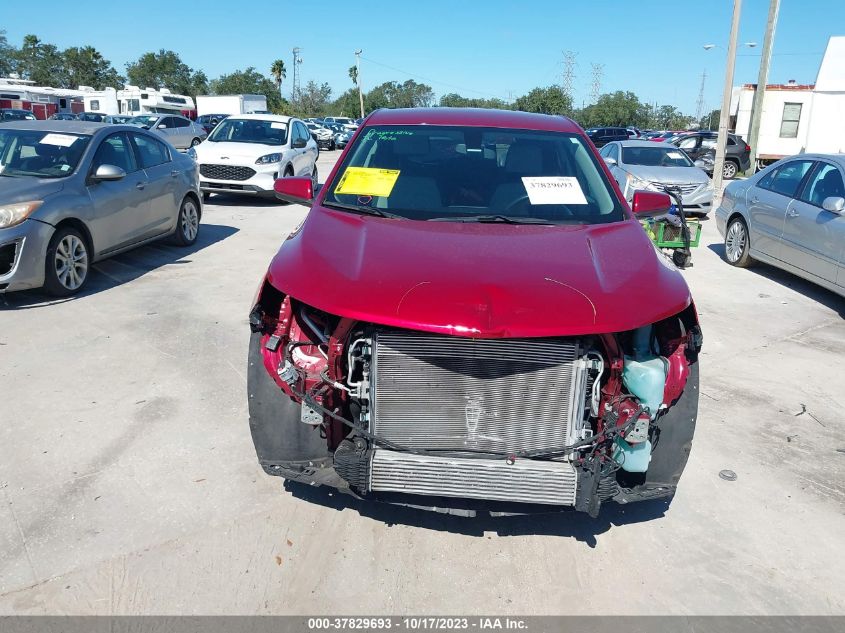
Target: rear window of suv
{"x": 466, "y": 174}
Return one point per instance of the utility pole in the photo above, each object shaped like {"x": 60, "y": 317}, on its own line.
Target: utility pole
{"x": 595, "y": 86}
{"x": 762, "y": 79}
{"x": 568, "y": 72}
{"x": 699, "y": 106}
{"x": 358, "y": 79}
{"x": 722, "y": 142}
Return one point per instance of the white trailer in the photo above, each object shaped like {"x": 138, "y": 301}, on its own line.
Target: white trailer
{"x": 798, "y": 118}
{"x": 230, "y": 104}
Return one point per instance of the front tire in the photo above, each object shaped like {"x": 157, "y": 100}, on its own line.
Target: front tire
{"x": 729, "y": 170}
{"x": 737, "y": 244}
{"x": 187, "y": 223}
{"x": 68, "y": 263}
{"x": 195, "y": 142}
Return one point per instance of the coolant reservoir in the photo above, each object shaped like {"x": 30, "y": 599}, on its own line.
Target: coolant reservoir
{"x": 644, "y": 373}
{"x": 633, "y": 458}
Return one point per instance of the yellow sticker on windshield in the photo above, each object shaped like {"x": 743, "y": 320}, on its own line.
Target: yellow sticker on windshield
{"x": 367, "y": 181}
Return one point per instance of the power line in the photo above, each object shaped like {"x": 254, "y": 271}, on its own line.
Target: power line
{"x": 435, "y": 81}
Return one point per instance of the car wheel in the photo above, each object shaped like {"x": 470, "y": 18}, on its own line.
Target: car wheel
{"x": 195, "y": 142}
{"x": 729, "y": 170}
{"x": 737, "y": 244}
{"x": 314, "y": 179}
{"x": 332, "y": 146}
{"x": 187, "y": 224}
{"x": 67, "y": 263}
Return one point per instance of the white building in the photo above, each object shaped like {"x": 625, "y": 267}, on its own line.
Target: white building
{"x": 798, "y": 117}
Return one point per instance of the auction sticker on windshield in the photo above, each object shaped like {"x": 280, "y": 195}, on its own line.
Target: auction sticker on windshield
{"x": 553, "y": 190}
{"x": 62, "y": 140}
{"x": 367, "y": 181}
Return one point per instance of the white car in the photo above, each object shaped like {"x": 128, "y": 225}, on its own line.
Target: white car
{"x": 247, "y": 153}
{"x": 345, "y": 122}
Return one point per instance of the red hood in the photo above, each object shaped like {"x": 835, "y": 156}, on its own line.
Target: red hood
{"x": 484, "y": 280}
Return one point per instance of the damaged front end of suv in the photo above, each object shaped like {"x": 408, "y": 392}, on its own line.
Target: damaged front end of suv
{"x": 463, "y": 366}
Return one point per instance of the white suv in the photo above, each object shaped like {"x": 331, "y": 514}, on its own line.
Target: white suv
{"x": 247, "y": 153}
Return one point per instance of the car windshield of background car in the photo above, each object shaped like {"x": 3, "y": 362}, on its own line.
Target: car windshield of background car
{"x": 250, "y": 131}
{"x": 468, "y": 173}
{"x": 655, "y": 157}
{"x": 40, "y": 153}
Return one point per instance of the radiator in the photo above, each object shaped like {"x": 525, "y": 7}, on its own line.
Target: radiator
{"x": 441, "y": 392}
{"x": 524, "y": 481}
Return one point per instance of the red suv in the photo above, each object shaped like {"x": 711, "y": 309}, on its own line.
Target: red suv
{"x": 472, "y": 318}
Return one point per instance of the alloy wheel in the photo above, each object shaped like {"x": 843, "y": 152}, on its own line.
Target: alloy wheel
{"x": 189, "y": 220}
{"x": 735, "y": 241}
{"x": 71, "y": 262}
{"x": 729, "y": 170}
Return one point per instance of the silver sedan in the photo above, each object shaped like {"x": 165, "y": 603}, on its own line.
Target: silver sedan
{"x": 647, "y": 165}
{"x": 790, "y": 215}
{"x": 73, "y": 192}
{"x": 180, "y": 132}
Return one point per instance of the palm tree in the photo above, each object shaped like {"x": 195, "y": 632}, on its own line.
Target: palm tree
{"x": 279, "y": 73}
{"x": 353, "y": 75}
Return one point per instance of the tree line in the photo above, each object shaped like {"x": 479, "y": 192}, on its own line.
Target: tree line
{"x": 46, "y": 64}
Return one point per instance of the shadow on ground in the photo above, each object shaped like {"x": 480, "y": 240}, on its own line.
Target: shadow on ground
{"x": 124, "y": 268}
{"x": 567, "y": 524}
{"x": 793, "y": 282}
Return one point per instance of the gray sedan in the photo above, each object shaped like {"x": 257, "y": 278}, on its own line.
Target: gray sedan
{"x": 790, "y": 215}
{"x": 73, "y": 192}
{"x": 653, "y": 166}
{"x": 181, "y": 132}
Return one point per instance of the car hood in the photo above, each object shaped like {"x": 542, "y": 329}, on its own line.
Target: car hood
{"x": 213, "y": 151}
{"x": 479, "y": 280}
{"x": 26, "y": 188}
{"x": 668, "y": 174}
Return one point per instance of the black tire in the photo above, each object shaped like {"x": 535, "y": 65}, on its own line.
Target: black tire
{"x": 284, "y": 445}
{"x": 332, "y": 146}
{"x": 287, "y": 174}
{"x": 738, "y": 243}
{"x": 196, "y": 142}
{"x": 68, "y": 263}
{"x": 729, "y": 169}
{"x": 315, "y": 179}
{"x": 187, "y": 223}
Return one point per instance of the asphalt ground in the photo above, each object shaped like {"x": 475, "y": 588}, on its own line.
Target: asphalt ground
{"x": 129, "y": 483}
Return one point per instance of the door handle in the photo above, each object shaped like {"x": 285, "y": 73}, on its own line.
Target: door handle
{"x": 140, "y": 185}
{"x": 755, "y": 199}
{"x": 792, "y": 213}
{"x": 174, "y": 173}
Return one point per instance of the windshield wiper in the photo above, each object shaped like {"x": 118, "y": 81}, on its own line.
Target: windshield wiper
{"x": 492, "y": 219}
{"x": 360, "y": 209}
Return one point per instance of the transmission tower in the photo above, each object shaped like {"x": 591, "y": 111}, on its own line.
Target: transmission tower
{"x": 568, "y": 78}
{"x": 595, "y": 84}
{"x": 297, "y": 60}
{"x": 699, "y": 106}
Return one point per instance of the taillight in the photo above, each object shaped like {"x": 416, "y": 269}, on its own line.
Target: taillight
{"x": 747, "y": 147}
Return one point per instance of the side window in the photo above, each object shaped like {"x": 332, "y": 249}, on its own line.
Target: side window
{"x": 787, "y": 178}
{"x": 708, "y": 143}
{"x": 614, "y": 152}
{"x": 789, "y": 120}
{"x": 166, "y": 122}
{"x": 731, "y": 141}
{"x": 179, "y": 122}
{"x": 301, "y": 132}
{"x": 605, "y": 151}
{"x": 825, "y": 182}
{"x": 688, "y": 143}
{"x": 115, "y": 150}
{"x": 151, "y": 151}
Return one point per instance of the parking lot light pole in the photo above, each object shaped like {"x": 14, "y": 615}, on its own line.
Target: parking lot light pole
{"x": 762, "y": 79}
{"x": 722, "y": 141}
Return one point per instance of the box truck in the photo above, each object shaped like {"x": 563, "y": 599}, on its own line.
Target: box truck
{"x": 231, "y": 104}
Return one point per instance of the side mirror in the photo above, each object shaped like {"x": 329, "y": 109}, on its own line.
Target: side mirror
{"x": 834, "y": 204}
{"x": 297, "y": 190}
{"x": 162, "y": 127}
{"x": 299, "y": 143}
{"x": 611, "y": 162}
{"x": 648, "y": 203}
{"x": 108, "y": 172}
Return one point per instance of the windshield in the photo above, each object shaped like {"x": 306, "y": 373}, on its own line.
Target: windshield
{"x": 250, "y": 131}
{"x": 40, "y": 153}
{"x": 145, "y": 121}
{"x": 655, "y": 157}
{"x": 474, "y": 174}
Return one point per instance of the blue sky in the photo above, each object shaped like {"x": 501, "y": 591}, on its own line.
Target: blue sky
{"x": 474, "y": 47}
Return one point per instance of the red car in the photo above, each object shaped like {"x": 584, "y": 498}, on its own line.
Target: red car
{"x": 472, "y": 318}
